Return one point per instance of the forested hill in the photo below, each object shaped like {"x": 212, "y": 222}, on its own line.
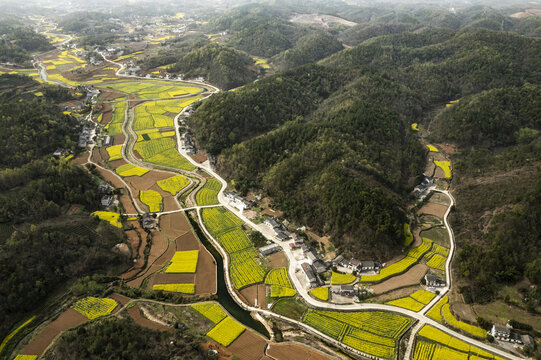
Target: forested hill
{"x": 342, "y": 160}
{"x": 17, "y": 42}
{"x": 43, "y": 245}
{"x": 224, "y": 67}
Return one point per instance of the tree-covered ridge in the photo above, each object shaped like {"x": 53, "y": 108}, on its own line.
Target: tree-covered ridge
{"x": 312, "y": 47}
{"x": 123, "y": 339}
{"x": 498, "y": 117}
{"x": 17, "y": 42}
{"x": 37, "y": 260}
{"x": 228, "y": 118}
{"x": 35, "y": 125}
{"x": 222, "y": 66}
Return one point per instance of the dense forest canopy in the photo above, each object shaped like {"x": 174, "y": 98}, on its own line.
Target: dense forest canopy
{"x": 17, "y": 42}
{"x": 357, "y": 129}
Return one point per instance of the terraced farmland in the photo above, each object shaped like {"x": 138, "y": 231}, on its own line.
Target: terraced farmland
{"x": 183, "y": 262}
{"x": 226, "y": 331}
{"x": 130, "y": 170}
{"x": 211, "y": 311}
{"x": 154, "y": 89}
{"x": 339, "y": 279}
{"x": 415, "y": 301}
{"x": 457, "y": 324}
{"x": 114, "y": 127}
{"x": 279, "y": 283}
{"x": 208, "y": 195}
{"x": 413, "y": 257}
{"x": 93, "y": 308}
{"x": 432, "y": 343}
{"x": 225, "y": 228}
{"x": 180, "y": 288}
{"x": 374, "y": 333}
{"x": 152, "y": 199}
{"x": 111, "y": 217}
{"x": 173, "y": 184}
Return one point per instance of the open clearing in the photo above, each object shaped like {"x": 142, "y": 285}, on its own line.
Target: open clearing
{"x": 286, "y": 351}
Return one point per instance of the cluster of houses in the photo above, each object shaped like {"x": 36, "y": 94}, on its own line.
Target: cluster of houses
{"x": 107, "y": 199}
{"x": 86, "y": 136}
{"x": 149, "y": 221}
{"x": 279, "y": 229}
{"x": 357, "y": 265}
{"x": 238, "y": 201}
{"x": 504, "y": 333}
{"x": 188, "y": 145}
{"x": 90, "y": 91}
{"x": 421, "y": 190}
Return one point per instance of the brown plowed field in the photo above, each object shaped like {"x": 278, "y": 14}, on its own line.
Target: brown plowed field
{"x": 435, "y": 209}
{"x": 136, "y": 315}
{"x": 253, "y": 292}
{"x": 174, "y": 224}
{"x": 127, "y": 204}
{"x": 119, "y": 298}
{"x": 120, "y": 162}
{"x": 119, "y": 139}
{"x": 66, "y": 320}
{"x": 249, "y": 346}
{"x": 157, "y": 258}
{"x": 412, "y": 277}
{"x": 110, "y": 178}
{"x": 277, "y": 260}
{"x": 81, "y": 159}
{"x": 205, "y": 276}
{"x": 286, "y": 351}
{"x": 187, "y": 242}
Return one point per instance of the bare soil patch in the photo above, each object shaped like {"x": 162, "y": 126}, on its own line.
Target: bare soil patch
{"x": 119, "y": 298}
{"x": 127, "y": 204}
{"x": 200, "y": 158}
{"x": 270, "y": 212}
{"x": 396, "y": 294}
{"x": 285, "y": 351}
{"x": 412, "y": 277}
{"x": 81, "y": 159}
{"x": 439, "y": 173}
{"x": 205, "y": 276}
{"x": 119, "y": 162}
{"x": 439, "y": 198}
{"x": 110, "y": 178}
{"x": 66, "y": 320}
{"x": 163, "y": 278}
{"x": 119, "y": 139}
{"x": 249, "y": 346}
{"x": 435, "y": 209}
{"x": 255, "y": 295}
{"x": 174, "y": 225}
{"x": 137, "y": 316}
{"x": 187, "y": 242}
{"x": 277, "y": 260}
{"x": 157, "y": 257}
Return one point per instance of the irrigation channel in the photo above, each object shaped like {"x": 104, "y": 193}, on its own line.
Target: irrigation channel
{"x": 224, "y": 298}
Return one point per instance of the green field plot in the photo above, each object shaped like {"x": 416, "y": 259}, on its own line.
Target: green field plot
{"x": 152, "y": 199}
{"x": 114, "y": 127}
{"x": 279, "y": 283}
{"x": 408, "y": 236}
{"x": 183, "y": 262}
{"x": 173, "y": 184}
{"x": 130, "y": 170}
{"x": 226, "y": 331}
{"x": 115, "y": 152}
{"x": 457, "y": 324}
{"x": 432, "y": 343}
{"x": 413, "y": 257}
{"x": 208, "y": 195}
{"x": 437, "y": 234}
{"x": 180, "y": 288}
{"x": 154, "y": 90}
{"x": 320, "y": 293}
{"x": 211, "y": 311}
{"x": 435, "y": 312}
{"x": 225, "y": 227}
{"x": 162, "y": 151}
{"x": 375, "y": 333}
{"x": 339, "y": 279}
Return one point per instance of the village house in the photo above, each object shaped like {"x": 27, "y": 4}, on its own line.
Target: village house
{"x": 434, "y": 281}
{"x": 107, "y": 200}
{"x": 107, "y": 141}
{"x": 279, "y": 229}
{"x": 269, "y": 249}
{"x": 148, "y": 221}
{"x": 104, "y": 187}
{"x": 344, "y": 290}
{"x": 505, "y": 333}
{"x": 311, "y": 276}
{"x": 368, "y": 265}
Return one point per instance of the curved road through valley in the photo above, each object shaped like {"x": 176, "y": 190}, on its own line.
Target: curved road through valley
{"x": 293, "y": 267}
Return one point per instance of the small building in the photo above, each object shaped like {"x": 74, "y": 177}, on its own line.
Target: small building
{"x": 310, "y": 274}
{"x": 108, "y": 141}
{"x": 269, "y": 249}
{"x": 337, "y": 261}
{"x": 348, "y": 290}
{"x": 368, "y": 265}
{"x": 148, "y": 221}
{"x": 354, "y": 264}
{"x": 107, "y": 200}
{"x": 320, "y": 266}
{"x": 505, "y": 333}
{"x": 434, "y": 281}
{"x": 59, "y": 152}
{"x": 104, "y": 187}
{"x": 272, "y": 222}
